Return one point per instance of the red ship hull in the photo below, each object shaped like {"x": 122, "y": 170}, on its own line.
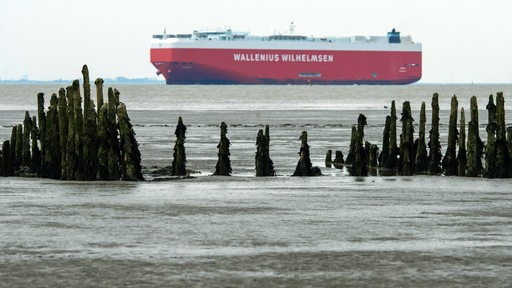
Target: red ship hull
{"x": 219, "y": 66}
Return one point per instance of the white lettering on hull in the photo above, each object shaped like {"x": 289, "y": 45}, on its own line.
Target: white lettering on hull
{"x": 262, "y": 57}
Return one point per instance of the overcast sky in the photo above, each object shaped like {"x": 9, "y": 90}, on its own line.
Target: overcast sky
{"x": 463, "y": 41}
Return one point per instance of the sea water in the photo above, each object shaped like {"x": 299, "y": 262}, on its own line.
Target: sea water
{"x": 241, "y": 230}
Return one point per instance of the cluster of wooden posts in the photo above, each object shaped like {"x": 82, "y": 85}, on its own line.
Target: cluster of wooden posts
{"x": 71, "y": 143}
{"x": 411, "y": 156}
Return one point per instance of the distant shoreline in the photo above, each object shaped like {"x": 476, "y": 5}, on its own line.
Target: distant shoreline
{"x": 117, "y": 80}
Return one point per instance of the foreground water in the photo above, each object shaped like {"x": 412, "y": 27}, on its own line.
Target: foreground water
{"x": 244, "y": 231}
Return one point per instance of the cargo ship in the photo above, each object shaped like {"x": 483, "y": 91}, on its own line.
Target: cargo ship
{"x": 228, "y": 57}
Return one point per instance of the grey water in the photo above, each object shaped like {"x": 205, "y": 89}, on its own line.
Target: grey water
{"x": 243, "y": 231}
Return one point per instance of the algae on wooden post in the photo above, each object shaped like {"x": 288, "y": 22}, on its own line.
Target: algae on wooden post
{"x": 99, "y": 93}
{"x": 63, "y": 131}
{"x": 304, "y": 166}
{"x": 461, "y": 154}
{"x": 27, "y": 127}
{"x": 339, "y": 162}
{"x": 449, "y": 162}
{"x": 264, "y": 165}
{"x": 351, "y": 156}
{"x": 328, "y": 159}
{"x": 41, "y": 120}
{"x": 360, "y": 164}
{"x": 178, "y": 167}
{"x": 434, "y": 157}
{"x": 103, "y": 150}
{"x": 79, "y": 131}
{"x": 407, "y": 151}
{"x": 6, "y": 159}
{"x": 490, "y": 147}
{"x": 70, "y": 163}
{"x": 18, "y": 148}
{"x": 35, "y": 161}
{"x": 384, "y": 154}
{"x": 113, "y": 141}
{"x": 223, "y": 166}
{"x": 475, "y": 144}
{"x": 131, "y": 169}
{"x": 502, "y": 161}
{"x": 90, "y": 144}
{"x": 421, "y": 152}
{"x": 51, "y": 160}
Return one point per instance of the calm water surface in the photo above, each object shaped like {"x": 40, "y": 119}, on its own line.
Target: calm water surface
{"x": 244, "y": 231}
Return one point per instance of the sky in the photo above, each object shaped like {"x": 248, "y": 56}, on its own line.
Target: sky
{"x": 463, "y": 41}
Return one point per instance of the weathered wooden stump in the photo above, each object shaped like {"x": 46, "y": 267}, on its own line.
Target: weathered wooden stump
{"x": 407, "y": 149}
{"x": 393, "y": 151}
{"x": 6, "y": 159}
{"x": 462, "y": 154}
{"x": 264, "y": 165}
{"x": 178, "y": 167}
{"x": 27, "y": 127}
{"x": 339, "y": 162}
{"x": 360, "y": 165}
{"x": 449, "y": 163}
{"x": 103, "y": 144}
{"x": 421, "y": 152}
{"x": 434, "y": 157}
{"x": 304, "y": 166}
{"x": 90, "y": 133}
{"x": 63, "y": 131}
{"x": 475, "y": 144}
{"x": 490, "y": 147}
{"x": 328, "y": 159}
{"x": 51, "y": 160}
{"x": 131, "y": 169}
{"x": 501, "y": 168}
{"x": 114, "y": 172}
{"x": 384, "y": 154}
{"x": 223, "y": 166}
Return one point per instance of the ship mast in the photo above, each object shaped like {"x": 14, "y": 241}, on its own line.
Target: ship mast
{"x": 292, "y": 28}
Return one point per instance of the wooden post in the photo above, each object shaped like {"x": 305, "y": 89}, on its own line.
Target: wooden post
{"x": 103, "y": 142}
{"x": 113, "y": 141}
{"x": 407, "y": 151}
{"x": 461, "y": 155}
{"x": 79, "y": 131}
{"x": 6, "y": 159}
{"x": 475, "y": 144}
{"x": 27, "y": 127}
{"x": 502, "y": 149}
{"x": 179, "y": 157}
{"x": 434, "y": 158}
{"x": 131, "y": 169}
{"x": 71, "y": 162}
{"x": 90, "y": 144}
{"x": 99, "y": 93}
{"x": 421, "y": 153}
{"x": 450, "y": 165}
{"x": 490, "y": 148}
{"x": 63, "y": 131}
{"x": 304, "y": 166}
{"x": 51, "y": 161}
{"x": 328, "y": 159}
{"x": 223, "y": 166}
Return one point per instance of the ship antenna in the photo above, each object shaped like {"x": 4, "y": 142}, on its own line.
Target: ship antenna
{"x": 292, "y": 28}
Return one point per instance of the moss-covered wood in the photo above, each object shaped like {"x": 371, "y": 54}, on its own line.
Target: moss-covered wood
{"x": 462, "y": 154}
{"x": 450, "y": 165}
{"x": 223, "y": 166}
{"x": 421, "y": 152}
{"x": 178, "y": 167}
{"x": 131, "y": 169}
{"x": 407, "y": 149}
{"x": 475, "y": 144}
{"x": 434, "y": 157}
